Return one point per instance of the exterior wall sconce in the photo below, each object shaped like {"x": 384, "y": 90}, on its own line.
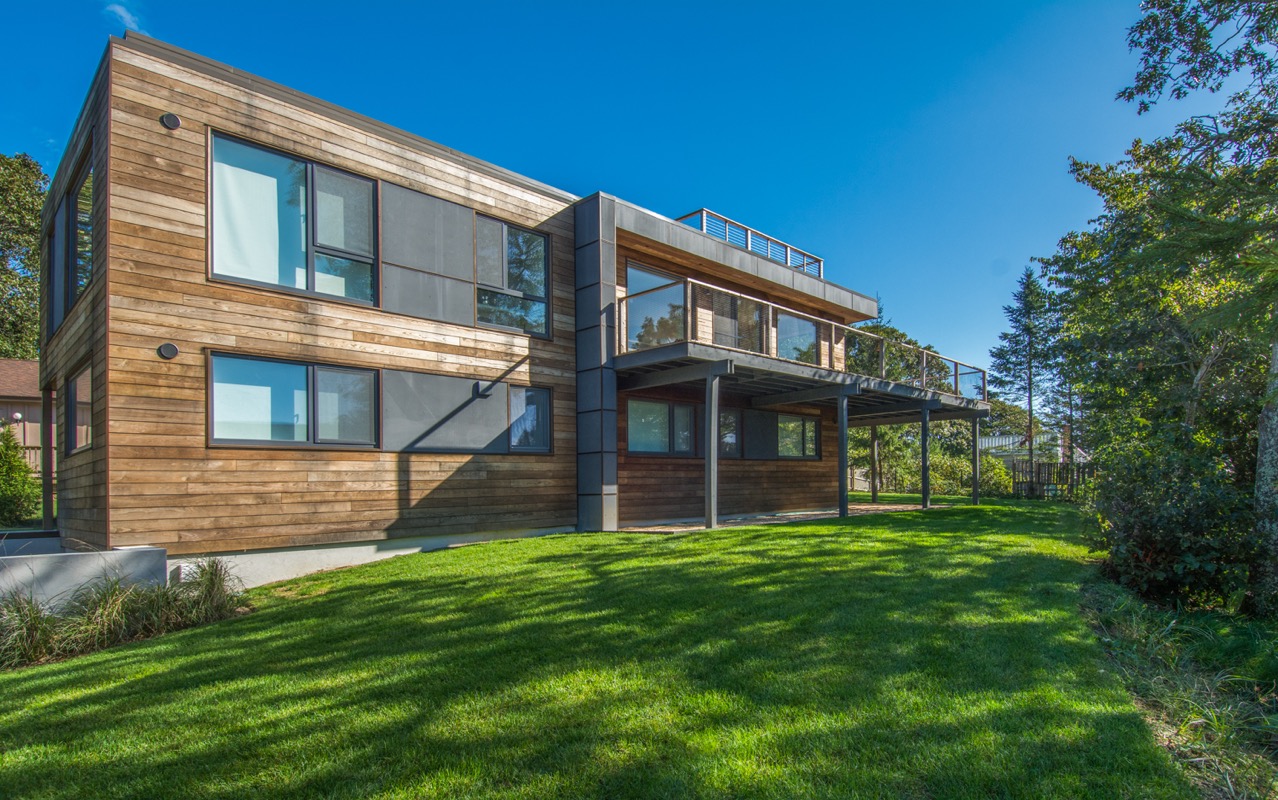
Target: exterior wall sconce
{"x": 171, "y": 121}
{"x": 167, "y": 351}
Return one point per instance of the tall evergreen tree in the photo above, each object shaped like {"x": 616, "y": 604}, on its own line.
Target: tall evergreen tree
{"x": 1022, "y": 365}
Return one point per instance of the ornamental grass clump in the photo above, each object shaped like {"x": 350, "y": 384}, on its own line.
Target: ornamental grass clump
{"x": 111, "y": 612}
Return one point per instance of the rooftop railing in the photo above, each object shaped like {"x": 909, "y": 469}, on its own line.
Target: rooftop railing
{"x": 747, "y": 238}
{"x": 692, "y": 311}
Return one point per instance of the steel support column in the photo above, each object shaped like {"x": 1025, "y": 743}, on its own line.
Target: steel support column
{"x": 874, "y": 463}
{"x": 47, "y": 446}
{"x": 976, "y": 461}
{"x": 712, "y": 451}
{"x": 843, "y": 455}
{"x": 927, "y": 474}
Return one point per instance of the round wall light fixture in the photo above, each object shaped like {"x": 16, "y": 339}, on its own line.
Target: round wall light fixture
{"x": 171, "y": 121}
{"x": 167, "y": 351}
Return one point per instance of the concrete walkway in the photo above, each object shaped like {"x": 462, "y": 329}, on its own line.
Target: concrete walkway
{"x": 854, "y": 510}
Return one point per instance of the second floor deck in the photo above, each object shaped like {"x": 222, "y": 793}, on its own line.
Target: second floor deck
{"x": 688, "y": 310}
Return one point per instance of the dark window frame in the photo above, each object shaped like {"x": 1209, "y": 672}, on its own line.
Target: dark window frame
{"x": 670, "y": 451}
{"x": 313, "y": 442}
{"x": 312, "y": 248}
{"x": 642, "y": 267}
{"x": 71, "y": 282}
{"x": 70, "y": 401}
{"x": 59, "y": 241}
{"x": 487, "y": 287}
{"x": 807, "y": 420}
{"x": 734, "y": 412}
{"x": 550, "y": 421}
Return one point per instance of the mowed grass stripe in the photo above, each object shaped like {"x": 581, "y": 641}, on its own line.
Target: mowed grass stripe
{"x": 918, "y": 654}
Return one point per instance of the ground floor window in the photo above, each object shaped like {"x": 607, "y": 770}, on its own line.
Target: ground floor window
{"x": 656, "y": 426}
{"x": 268, "y": 401}
{"x": 730, "y": 433}
{"x": 79, "y": 410}
{"x": 529, "y": 419}
{"x": 796, "y": 436}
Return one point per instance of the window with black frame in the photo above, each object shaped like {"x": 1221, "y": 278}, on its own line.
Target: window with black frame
{"x": 529, "y": 419}
{"x": 654, "y": 308}
{"x": 269, "y": 401}
{"x": 78, "y": 393}
{"x": 796, "y": 436}
{"x": 730, "y": 433}
{"x": 81, "y": 258}
{"x": 513, "y": 273}
{"x": 282, "y": 221}
{"x": 660, "y": 427}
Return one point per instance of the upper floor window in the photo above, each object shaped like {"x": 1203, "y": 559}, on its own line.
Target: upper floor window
{"x": 513, "y": 273}
{"x": 282, "y": 221}
{"x": 81, "y": 261}
{"x": 654, "y": 308}
{"x": 797, "y": 338}
{"x": 68, "y": 246}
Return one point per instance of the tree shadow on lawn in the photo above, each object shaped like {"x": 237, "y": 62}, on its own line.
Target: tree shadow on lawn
{"x": 902, "y": 655}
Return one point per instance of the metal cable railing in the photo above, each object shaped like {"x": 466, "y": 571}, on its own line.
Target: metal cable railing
{"x": 692, "y": 311}
{"x": 747, "y": 238}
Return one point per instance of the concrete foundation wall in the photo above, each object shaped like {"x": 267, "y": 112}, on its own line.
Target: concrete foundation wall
{"x": 53, "y": 578}
{"x": 258, "y": 567}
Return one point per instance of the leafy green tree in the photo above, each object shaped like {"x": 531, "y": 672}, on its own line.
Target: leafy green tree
{"x": 19, "y": 488}
{"x": 22, "y": 189}
{"x": 1024, "y": 361}
{"x": 1218, "y": 196}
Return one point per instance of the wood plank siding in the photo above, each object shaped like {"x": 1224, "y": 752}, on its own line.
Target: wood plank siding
{"x": 168, "y": 486}
{"x": 81, "y": 338}
{"x": 155, "y": 476}
{"x": 651, "y": 488}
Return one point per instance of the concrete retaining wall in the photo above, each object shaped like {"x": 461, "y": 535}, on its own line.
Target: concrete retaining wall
{"x": 53, "y": 578}
{"x": 267, "y": 566}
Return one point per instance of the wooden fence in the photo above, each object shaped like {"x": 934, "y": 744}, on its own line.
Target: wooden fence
{"x": 1049, "y": 480}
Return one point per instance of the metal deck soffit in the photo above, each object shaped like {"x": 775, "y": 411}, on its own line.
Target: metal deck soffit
{"x": 767, "y": 382}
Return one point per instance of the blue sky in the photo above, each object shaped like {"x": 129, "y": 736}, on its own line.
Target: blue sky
{"x": 921, "y": 149}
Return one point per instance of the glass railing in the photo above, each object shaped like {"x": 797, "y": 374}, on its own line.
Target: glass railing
{"x": 747, "y": 238}
{"x": 692, "y": 311}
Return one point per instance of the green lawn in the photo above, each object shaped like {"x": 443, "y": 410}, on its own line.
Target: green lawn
{"x": 919, "y": 655}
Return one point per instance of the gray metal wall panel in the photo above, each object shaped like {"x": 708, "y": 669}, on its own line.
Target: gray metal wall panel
{"x": 419, "y": 294}
{"x": 427, "y": 233}
{"x": 759, "y": 434}
{"x": 439, "y": 412}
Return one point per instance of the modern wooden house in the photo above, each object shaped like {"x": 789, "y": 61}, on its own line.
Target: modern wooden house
{"x": 276, "y": 327}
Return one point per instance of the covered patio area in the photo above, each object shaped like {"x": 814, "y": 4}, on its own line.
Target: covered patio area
{"x": 758, "y": 383}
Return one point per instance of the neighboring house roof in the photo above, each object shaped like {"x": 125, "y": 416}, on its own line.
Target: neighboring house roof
{"x": 19, "y": 378}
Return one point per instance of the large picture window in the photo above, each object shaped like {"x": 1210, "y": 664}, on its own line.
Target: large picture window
{"x": 79, "y": 410}
{"x": 655, "y": 426}
{"x": 264, "y": 401}
{"x": 282, "y": 221}
{"x": 513, "y": 273}
{"x": 796, "y": 436}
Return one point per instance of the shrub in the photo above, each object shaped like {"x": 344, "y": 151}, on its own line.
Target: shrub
{"x": 996, "y": 481}
{"x": 111, "y": 612}
{"x": 1173, "y": 523}
{"x": 19, "y": 487}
